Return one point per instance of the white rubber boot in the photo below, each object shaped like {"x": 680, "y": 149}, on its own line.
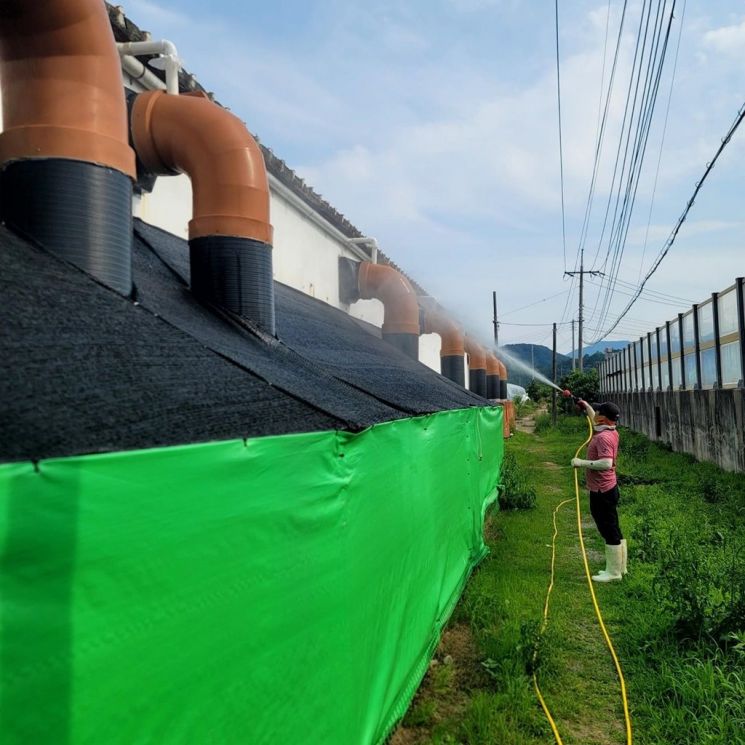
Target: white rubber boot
{"x": 625, "y": 555}
{"x": 613, "y": 565}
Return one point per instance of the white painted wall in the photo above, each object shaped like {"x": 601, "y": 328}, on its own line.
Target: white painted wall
{"x": 305, "y": 256}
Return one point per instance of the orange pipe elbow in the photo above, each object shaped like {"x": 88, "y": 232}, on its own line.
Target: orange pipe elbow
{"x": 451, "y": 336}
{"x": 476, "y": 355}
{"x": 382, "y": 282}
{"x": 493, "y": 366}
{"x": 62, "y": 86}
{"x": 502, "y": 370}
{"x": 191, "y": 134}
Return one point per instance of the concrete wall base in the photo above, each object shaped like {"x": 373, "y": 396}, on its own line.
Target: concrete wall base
{"x": 708, "y": 424}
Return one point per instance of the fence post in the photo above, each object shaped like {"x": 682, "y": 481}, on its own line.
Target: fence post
{"x": 659, "y": 361}
{"x": 697, "y": 347}
{"x": 627, "y": 372}
{"x": 651, "y": 361}
{"x": 669, "y": 358}
{"x": 741, "y": 326}
{"x": 636, "y": 366}
{"x": 717, "y": 341}
{"x": 641, "y": 367}
{"x": 683, "y": 381}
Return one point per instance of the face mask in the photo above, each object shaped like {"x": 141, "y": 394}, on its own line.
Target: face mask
{"x": 601, "y": 423}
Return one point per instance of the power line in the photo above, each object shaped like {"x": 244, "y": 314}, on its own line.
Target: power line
{"x": 649, "y": 101}
{"x": 674, "y": 234}
{"x": 668, "y": 303}
{"x": 550, "y": 323}
{"x": 561, "y": 148}
{"x": 662, "y": 140}
{"x": 530, "y": 305}
{"x": 601, "y": 129}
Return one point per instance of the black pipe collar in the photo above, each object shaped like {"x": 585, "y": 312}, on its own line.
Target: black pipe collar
{"x": 235, "y": 274}
{"x": 79, "y": 211}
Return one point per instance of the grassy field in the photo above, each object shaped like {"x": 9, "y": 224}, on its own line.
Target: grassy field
{"x": 677, "y": 620}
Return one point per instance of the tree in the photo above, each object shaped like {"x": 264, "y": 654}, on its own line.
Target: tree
{"x": 584, "y": 385}
{"x": 538, "y": 391}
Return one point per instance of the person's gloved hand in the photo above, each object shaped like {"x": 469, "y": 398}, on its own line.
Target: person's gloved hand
{"x": 577, "y": 463}
{"x": 582, "y": 404}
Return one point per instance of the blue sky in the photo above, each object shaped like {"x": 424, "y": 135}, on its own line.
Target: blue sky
{"x": 432, "y": 126}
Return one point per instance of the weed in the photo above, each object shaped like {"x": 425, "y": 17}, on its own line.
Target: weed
{"x": 516, "y": 492}
{"x": 542, "y": 423}
{"x": 421, "y": 713}
{"x": 443, "y": 677}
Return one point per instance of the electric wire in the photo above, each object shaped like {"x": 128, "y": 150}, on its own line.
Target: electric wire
{"x": 662, "y": 295}
{"x": 530, "y": 305}
{"x": 601, "y": 129}
{"x": 620, "y": 142}
{"x": 550, "y": 323}
{"x": 622, "y": 218}
{"x": 662, "y": 141}
{"x": 561, "y": 148}
{"x": 626, "y": 292}
{"x": 621, "y": 138}
{"x": 674, "y": 234}
{"x": 642, "y": 139}
{"x": 626, "y": 137}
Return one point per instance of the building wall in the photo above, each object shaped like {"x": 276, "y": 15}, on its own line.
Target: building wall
{"x": 708, "y": 424}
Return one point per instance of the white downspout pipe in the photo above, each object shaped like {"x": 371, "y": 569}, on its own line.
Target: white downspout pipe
{"x": 366, "y": 241}
{"x": 169, "y": 56}
{"x": 139, "y": 72}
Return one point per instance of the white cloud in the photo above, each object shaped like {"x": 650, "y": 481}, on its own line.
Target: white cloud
{"x": 658, "y": 234}
{"x": 729, "y": 40}
{"x": 145, "y": 12}
{"x": 450, "y": 158}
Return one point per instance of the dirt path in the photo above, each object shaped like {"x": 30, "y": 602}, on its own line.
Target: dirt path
{"x": 457, "y": 698}
{"x": 527, "y": 423}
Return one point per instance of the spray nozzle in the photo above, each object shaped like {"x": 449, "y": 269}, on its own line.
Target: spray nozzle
{"x": 567, "y": 393}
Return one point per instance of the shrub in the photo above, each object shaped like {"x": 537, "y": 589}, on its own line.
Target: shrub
{"x": 542, "y": 423}
{"x": 585, "y": 385}
{"x": 704, "y": 586}
{"x": 516, "y": 493}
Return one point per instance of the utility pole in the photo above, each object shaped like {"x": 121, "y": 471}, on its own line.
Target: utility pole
{"x": 574, "y": 358}
{"x": 580, "y": 321}
{"x": 496, "y": 323}
{"x": 553, "y": 377}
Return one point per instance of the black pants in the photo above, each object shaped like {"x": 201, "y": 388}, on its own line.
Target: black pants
{"x": 603, "y": 508}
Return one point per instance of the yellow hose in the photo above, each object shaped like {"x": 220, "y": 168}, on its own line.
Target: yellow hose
{"x": 551, "y": 721}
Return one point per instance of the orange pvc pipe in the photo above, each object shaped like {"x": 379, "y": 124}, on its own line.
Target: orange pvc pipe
{"x": 383, "y": 282}
{"x": 191, "y": 134}
{"x": 493, "y": 366}
{"x": 62, "y": 87}
{"x": 502, "y": 370}
{"x": 451, "y": 337}
{"x": 476, "y": 355}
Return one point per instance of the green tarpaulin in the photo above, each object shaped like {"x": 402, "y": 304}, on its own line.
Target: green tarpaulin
{"x": 275, "y": 590}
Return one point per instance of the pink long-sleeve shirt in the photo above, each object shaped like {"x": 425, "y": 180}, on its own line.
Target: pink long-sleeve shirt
{"x": 604, "y": 444}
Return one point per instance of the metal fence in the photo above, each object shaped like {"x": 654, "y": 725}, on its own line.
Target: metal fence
{"x": 702, "y": 348}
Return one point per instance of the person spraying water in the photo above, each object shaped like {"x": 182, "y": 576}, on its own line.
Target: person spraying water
{"x": 602, "y": 483}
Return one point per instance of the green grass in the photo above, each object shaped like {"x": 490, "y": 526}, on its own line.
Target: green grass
{"x": 676, "y": 620}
